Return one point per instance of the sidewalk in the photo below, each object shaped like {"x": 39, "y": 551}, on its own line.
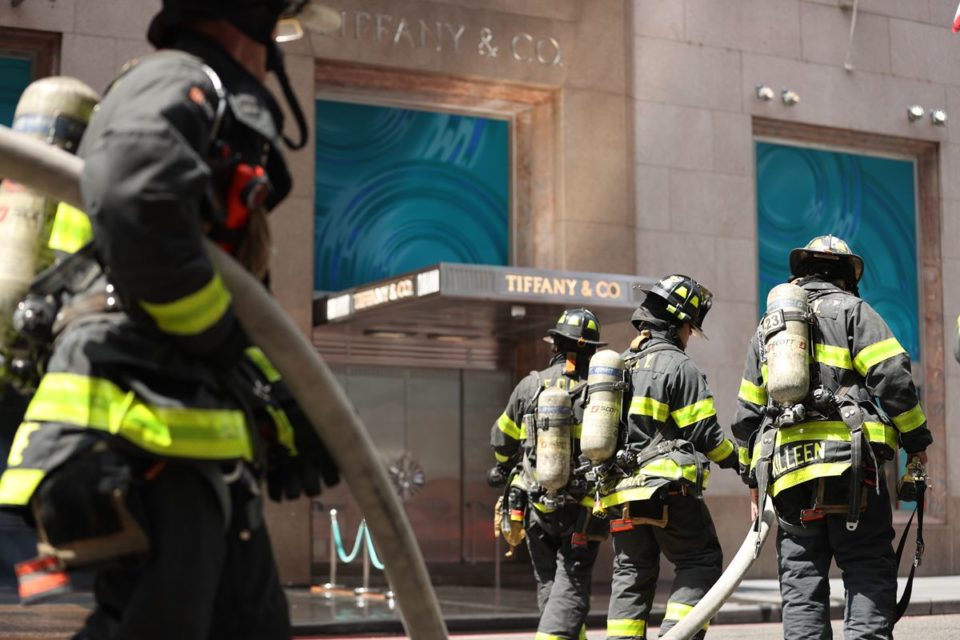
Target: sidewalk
{"x": 466, "y": 609}
{"x": 481, "y": 609}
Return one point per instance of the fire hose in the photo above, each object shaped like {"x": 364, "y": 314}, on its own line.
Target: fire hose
{"x": 56, "y": 173}
{"x": 723, "y": 588}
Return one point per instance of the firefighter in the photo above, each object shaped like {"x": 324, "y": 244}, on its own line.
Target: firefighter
{"x": 141, "y": 453}
{"x": 653, "y": 493}
{"x": 562, "y": 536}
{"x": 819, "y": 457}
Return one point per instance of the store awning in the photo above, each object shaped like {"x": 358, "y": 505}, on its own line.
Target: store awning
{"x": 461, "y": 315}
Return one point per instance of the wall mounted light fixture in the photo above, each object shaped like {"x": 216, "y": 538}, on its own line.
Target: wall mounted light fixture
{"x": 765, "y": 93}
{"x": 938, "y": 117}
{"x": 790, "y": 97}
{"x": 915, "y": 112}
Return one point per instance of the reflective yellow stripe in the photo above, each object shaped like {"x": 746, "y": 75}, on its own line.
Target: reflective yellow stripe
{"x": 763, "y": 373}
{"x": 910, "y": 420}
{"x": 876, "y": 353}
{"x": 259, "y": 358}
{"x": 194, "y": 313}
{"x": 820, "y": 470}
{"x": 667, "y": 468}
{"x": 17, "y": 485}
{"x": 743, "y": 455}
{"x": 284, "y": 429}
{"x": 508, "y": 426}
{"x": 644, "y": 406}
{"x": 679, "y": 611}
{"x": 71, "y": 229}
{"x": 587, "y": 502}
{"x": 626, "y": 495}
{"x": 576, "y": 430}
{"x": 720, "y": 453}
{"x": 691, "y": 414}
{"x": 752, "y": 393}
{"x": 216, "y": 434}
{"x": 583, "y": 632}
{"x": 626, "y": 628}
{"x": 833, "y": 356}
{"x": 877, "y": 432}
{"x": 20, "y": 442}
{"x": 542, "y": 508}
{"x": 501, "y": 458}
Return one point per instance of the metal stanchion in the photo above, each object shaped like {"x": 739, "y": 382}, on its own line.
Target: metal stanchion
{"x": 333, "y": 554}
{"x": 365, "y": 589}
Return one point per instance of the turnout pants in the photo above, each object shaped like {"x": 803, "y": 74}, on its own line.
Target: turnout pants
{"x": 689, "y": 541}
{"x": 865, "y": 557}
{"x": 201, "y": 581}
{"x": 563, "y": 572}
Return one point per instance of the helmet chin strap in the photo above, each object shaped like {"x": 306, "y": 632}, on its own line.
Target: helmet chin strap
{"x": 276, "y": 65}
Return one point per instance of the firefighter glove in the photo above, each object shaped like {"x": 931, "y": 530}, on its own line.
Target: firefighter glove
{"x": 302, "y": 468}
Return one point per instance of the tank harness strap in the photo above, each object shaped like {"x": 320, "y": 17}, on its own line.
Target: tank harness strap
{"x": 627, "y": 522}
{"x": 527, "y": 419}
{"x": 819, "y": 511}
{"x": 918, "y": 552}
{"x": 599, "y": 387}
{"x": 853, "y": 418}
{"x": 767, "y": 438}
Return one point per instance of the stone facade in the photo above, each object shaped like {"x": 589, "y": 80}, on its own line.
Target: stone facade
{"x": 647, "y": 165}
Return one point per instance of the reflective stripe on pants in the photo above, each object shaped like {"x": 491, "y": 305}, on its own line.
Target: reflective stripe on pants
{"x": 689, "y": 541}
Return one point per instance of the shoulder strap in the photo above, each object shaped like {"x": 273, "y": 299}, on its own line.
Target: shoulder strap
{"x": 917, "y": 554}
{"x": 216, "y": 83}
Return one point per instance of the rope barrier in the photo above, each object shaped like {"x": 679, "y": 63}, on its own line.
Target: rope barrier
{"x": 361, "y": 531}
{"x": 370, "y": 556}
{"x": 374, "y": 558}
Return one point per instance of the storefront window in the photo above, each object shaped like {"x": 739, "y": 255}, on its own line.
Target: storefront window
{"x": 399, "y": 189}
{"x": 14, "y": 78}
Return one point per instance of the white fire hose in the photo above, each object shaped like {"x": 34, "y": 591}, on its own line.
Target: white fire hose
{"x": 56, "y": 173}
{"x": 711, "y": 602}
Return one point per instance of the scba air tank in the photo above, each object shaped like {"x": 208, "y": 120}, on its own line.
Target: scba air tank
{"x": 554, "y": 421}
{"x": 786, "y": 331}
{"x": 55, "y": 110}
{"x": 601, "y": 415}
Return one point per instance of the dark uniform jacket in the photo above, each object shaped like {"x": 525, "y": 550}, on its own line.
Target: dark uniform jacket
{"x": 150, "y": 378}
{"x": 854, "y": 350}
{"x": 509, "y": 433}
{"x": 670, "y": 396}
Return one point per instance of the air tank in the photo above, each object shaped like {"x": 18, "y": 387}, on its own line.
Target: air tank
{"x": 601, "y": 415}
{"x": 553, "y": 423}
{"x": 55, "y": 110}
{"x": 787, "y": 343}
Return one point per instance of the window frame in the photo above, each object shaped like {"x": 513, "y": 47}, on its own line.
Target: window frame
{"x": 41, "y": 48}
{"x": 926, "y": 156}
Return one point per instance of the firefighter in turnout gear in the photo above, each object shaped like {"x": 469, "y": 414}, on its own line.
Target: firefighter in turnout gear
{"x": 142, "y": 451}
{"x": 653, "y": 493}
{"x": 562, "y": 535}
{"x": 818, "y": 458}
